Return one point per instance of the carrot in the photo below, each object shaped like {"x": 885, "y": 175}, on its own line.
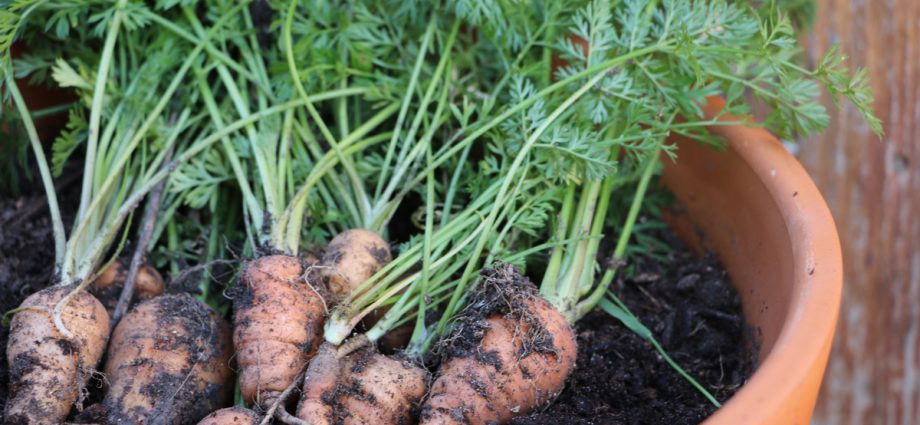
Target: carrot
{"x": 319, "y": 387}
{"x": 379, "y": 389}
{"x": 107, "y": 287}
{"x": 231, "y": 416}
{"x": 363, "y": 387}
{"x": 510, "y": 353}
{"x": 277, "y": 319}
{"x": 352, "y": 257}
{"x": 48, "y": 372}
{"x": 168, "y": 363}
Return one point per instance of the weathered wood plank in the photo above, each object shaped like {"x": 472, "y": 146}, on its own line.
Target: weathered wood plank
{"x": 873, "y": 188}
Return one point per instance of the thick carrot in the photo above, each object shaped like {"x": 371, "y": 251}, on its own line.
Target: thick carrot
{"x": 363, "y": 387}
{"x": 48, "y": 371}
{"x": 231, "y": 416}
{"x": 379, "y": 389}
{"x": 278, "y": 318}
{"x": 168, "y": 363}
{"x": 510, "y": 354}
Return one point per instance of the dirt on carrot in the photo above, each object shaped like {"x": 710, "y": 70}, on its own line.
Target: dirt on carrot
{"x": 379, "y": 389}
{"x": 168, "y": 362}
{"x": 690, "y": 305}
{"x": 352, "y": 257}
{"x": 362, "y": 387}
{"x": 231, "y": 416}
{"x": 510, "y": 354}
{"x": 278, "y": 318}
{"x": 49, "y": 370}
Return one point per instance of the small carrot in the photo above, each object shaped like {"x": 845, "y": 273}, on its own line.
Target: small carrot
{"x": 107, "y": 287}
{"x": 352, "y": 257}
{"x": 49, "y": 371}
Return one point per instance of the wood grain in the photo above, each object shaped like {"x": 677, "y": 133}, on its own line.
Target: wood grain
{"x": 873, "y": 189}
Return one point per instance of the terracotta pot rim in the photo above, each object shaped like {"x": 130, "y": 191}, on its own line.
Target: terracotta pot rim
{"x": 799, "y": 354}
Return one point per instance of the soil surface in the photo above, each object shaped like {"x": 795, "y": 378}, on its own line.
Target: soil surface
{"x": 694, "y": 312}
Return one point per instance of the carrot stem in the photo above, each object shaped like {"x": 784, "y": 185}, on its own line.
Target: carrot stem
{"x": 586, "y": 305}
{"x": 60, "y": 239}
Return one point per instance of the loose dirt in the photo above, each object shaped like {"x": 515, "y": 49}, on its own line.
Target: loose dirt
{"x": 693, "y": 310}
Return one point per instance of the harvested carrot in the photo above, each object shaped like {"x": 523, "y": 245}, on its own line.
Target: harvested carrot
{"x": 363, "y": 387}
{"x": 48, "y": 371}
{"x": 510, "y": 354}
{"x": 107, "y": 287}
{"x": 168, "y": 363}
{"x": 277, "y": 323}
{"x": 320, "y": 383}
{"x": 352, "y": 257}
{"x": 231, "y": 416}
{"x": 379, "y": 389}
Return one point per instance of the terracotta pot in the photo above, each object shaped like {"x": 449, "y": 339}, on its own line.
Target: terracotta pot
{"x": 756, "y": 207}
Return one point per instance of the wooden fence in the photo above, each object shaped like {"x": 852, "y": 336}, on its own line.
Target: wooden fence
{"x": 873, "y": 188}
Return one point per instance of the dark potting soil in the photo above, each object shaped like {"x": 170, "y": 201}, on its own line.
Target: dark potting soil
{"x": 689, "y": 304}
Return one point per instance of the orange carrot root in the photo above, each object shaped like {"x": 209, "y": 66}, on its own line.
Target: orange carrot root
{"x": 352, "y": 257}
{"x": 47, "y": 371}
{"x": 278, "y": 319}
{"x": 508, "y": 363}
{"x": 379, "y": 389}
{"x": 231, "y": 416}
{"x": 364, "y": 387}
{"x": 319, "y": 387}
{"x": 107, "y": 287}
{"x": 168, "y": 362}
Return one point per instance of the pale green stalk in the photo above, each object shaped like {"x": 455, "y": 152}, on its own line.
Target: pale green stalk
{"x": 287, "y": 230}
{"x": 587, "y": 304}
{"x": 57, "y": 224}
{"x": 313, "y": 147}
{"x": 249, "y": 199}
{"x": 268, "y": 184}
{"x": 76, "y": 246}
{"x": 478, "y": 232}
{"x": 403, "y": 112}
{"x": 452, "y": 307}
{"x": 356, "y": 181}
{"x": 104, "y": 238}
{"x": 418, "y": 333}
{"x": 408, "y": 156}
{"x": 105, "y": 64}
